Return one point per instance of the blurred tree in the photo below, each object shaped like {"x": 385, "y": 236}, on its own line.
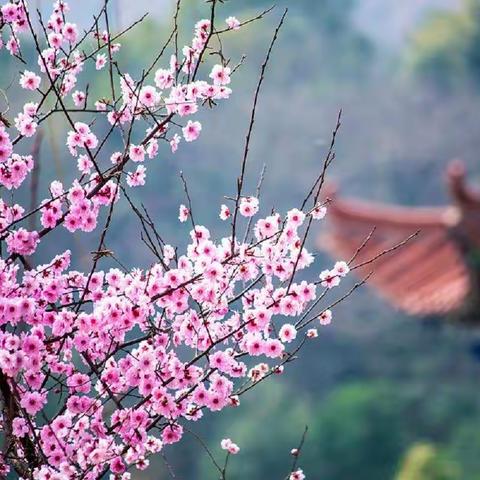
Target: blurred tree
{"x": 273, "y": 426}
{"x": 357, "y": 426}
{"x": 464, "y": 447}
{"x": 445, "y": 50}
{"x": 423, "y": 461}
{"x": 333, "y": 16}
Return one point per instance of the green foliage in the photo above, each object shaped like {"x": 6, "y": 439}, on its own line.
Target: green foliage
{"x": 425, "y": 462}
{"x": 273, "y": 426}
{"x": 464, "y": 447}
{"x": 356, "y": 426}
{"x": 445, "y": 50}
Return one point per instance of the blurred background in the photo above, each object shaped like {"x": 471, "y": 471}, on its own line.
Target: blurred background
{"x": 385, "y": 396}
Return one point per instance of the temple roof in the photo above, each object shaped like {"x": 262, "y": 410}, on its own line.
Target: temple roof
{"x": 430, "y": 274}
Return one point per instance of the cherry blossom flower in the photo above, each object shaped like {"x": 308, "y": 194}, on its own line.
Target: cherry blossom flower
{"x": 33, "y": 402}
{"x": 78, "y": 98}
{"x": 319, "y": 212}
{"x": 148, "y": 96}
{"x": 22, "y": 242}
{"x": 10, "y": 12}
{"x": 137, "y": 178}
{"x": 341, "y": 268}
{"x": 174, "y": 142}
{"x": 101, "y": 61}
{"x": 228, "y": 445}
{"x": 191, "y": 131}
{"x": 70, "y": 32}
{"x": 233, "y": 23}
{"x": 329, "y": 278}
{"x": 164, "y": 79}
{"x": 29, "y": 80}
{"x": 248, "y": 206}
{"x": 312, "y": 333}
{"x": 325, "y": 317}
{"x": 224, "y": 212}
{"x": 287, "y": 333}
{"x": 55, "y": 39}
{"x": 137, "y": 153}
{"x": 297, "y": 475}
{"x": 183, "y": 213}
{"x": 220, "y": 75}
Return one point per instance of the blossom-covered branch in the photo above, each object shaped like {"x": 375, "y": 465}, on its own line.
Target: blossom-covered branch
{"x": 101, "y": 369}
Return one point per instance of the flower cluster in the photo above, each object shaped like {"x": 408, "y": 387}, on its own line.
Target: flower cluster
{"x": 332, "y": 278}
{"x": 231, "y": 447}
{"x": 102, "y": 369}
{"x": 157, "y": 304}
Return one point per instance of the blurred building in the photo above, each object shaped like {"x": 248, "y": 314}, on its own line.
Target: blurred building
{"x": 438, "y": 271}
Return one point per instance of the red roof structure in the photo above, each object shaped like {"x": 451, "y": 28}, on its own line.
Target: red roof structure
{"x": 438, "y": 272}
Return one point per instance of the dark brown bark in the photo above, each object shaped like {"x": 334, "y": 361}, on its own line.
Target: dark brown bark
{"x": 11, "y": 410}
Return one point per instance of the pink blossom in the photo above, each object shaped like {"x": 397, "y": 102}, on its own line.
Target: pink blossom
{"x": 152, "y": 148}
{"x": 183, "y": 213}
{"x": 191, "y": 131}
{"x": 117, "y": 466}
{"x": 248, "y": 206}
{"x": 273, "y": 348}
{"x": 23, "y": 242}
{"x": 287, "y": 333}
{"x": 12, "y": 45}
{"x": 55, "y": 39}
{"x": 319, "y": 212}
{"x": 137, "y": 153}
{"x": 33, "y": 402}
{"x": 78, "y": 98}
{"x": 137, "y": 178}
{"x": 220, "y": 75}
{"x": 148, "y": 96}
{"x": 174, "y": 142}
{"x": 341, "y": 268}
{"x": 70, "y": 32}
{"x": 29, "y": 80}
{"x": 233, "y": 23}
{"x": 20, "y": 427}
{"x": 26, "y": 126}
{"x": 187, "y": 108}
{"x": 296, "y": 217}
{"x": 79, "y": 382}
{"x": 325, "y": 317}
{"x": 172, "y": 434}
{"x": 164, "y": 79}
{"x": 100, "y": 61}
{"x": 329, "y": 278}
{"x": 224, "y": 212}
{"x": 228, "y": 445}
{"x": 130, "y": 356}
{"x": 9, "y": 12}
{"x": 297, "y": 475}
